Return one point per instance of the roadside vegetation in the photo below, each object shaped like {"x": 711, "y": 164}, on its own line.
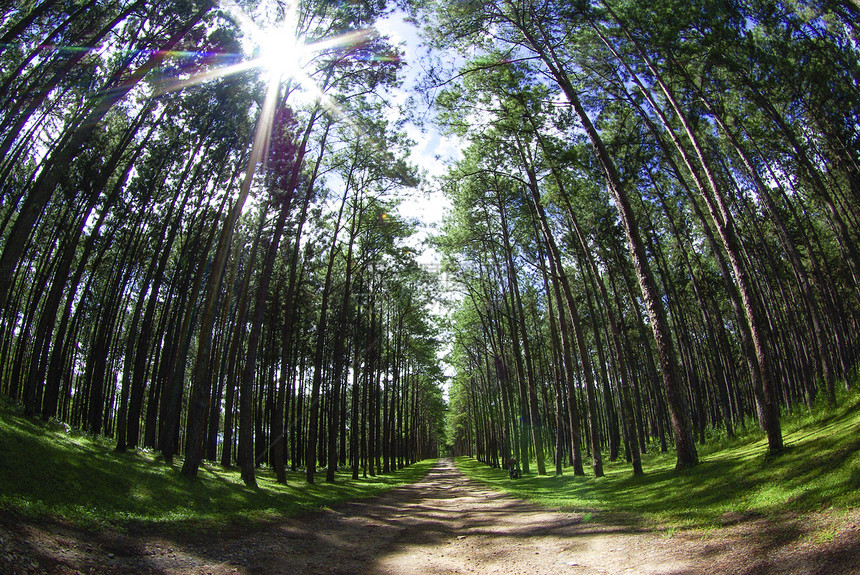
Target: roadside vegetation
{"x": 50, "y": 471}
{"x": 819, "y": 471}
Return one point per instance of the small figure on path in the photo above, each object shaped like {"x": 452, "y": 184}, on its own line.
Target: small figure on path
{"x": 513, "y": 470}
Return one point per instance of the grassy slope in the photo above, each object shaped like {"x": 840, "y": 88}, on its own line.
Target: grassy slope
{"x": 47, "y": 471}
{"x": 819, "y": 470}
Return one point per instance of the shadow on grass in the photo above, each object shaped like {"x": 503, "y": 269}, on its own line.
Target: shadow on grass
{"x": 816, "y": 471}
{"x": 46, "y": 471}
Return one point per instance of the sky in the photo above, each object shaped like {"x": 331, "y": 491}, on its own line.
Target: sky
{"x": 432, "y": 151}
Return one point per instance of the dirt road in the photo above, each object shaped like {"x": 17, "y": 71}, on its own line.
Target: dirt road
{"x": 444, "y": 524}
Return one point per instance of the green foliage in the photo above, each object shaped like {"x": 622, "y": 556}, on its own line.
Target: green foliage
{"x": 49, "y": 470}
{"x": 819, "y": 470}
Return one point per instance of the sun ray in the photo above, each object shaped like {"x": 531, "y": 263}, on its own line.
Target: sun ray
{"x": 346, "y": 40}
{"x": 176, "y": 84}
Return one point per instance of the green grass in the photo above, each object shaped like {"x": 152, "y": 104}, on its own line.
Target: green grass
{"x": 819, "y": 470}
{"x": 48, "y": 471}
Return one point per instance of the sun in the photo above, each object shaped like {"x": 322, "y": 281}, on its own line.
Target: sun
{"x": 278, "y": 50}
{"x": 281, "y": 53}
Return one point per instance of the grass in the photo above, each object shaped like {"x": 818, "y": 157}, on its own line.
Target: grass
{"x": 819, "y": 470}
{"x": 49, "y": 471}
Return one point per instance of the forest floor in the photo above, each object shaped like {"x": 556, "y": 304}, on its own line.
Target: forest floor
{"x": 444, "y": 523}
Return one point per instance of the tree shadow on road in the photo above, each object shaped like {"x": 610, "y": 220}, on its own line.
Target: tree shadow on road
{"x": 444, "y": 524}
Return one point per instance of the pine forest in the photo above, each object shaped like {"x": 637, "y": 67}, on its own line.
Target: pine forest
{"x": 650, "y": 238}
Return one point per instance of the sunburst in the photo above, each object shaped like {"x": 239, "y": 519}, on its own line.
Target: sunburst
{"x": 282, "y": 55}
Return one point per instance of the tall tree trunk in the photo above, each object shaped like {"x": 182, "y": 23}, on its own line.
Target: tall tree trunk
{"x": 723, "y": 220}
{"x": 201, "y": 384}
{"x": 681, "y": 426}
{"x": 319, "y": 353}
{"x": 575, "y": 323}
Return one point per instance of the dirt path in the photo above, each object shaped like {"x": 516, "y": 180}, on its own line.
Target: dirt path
{"x": 444, "y": 524}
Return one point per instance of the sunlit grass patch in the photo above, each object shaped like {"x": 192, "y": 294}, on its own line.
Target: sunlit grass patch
{"x": 819, "y": 470}
{"x": 48, "y": 470}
